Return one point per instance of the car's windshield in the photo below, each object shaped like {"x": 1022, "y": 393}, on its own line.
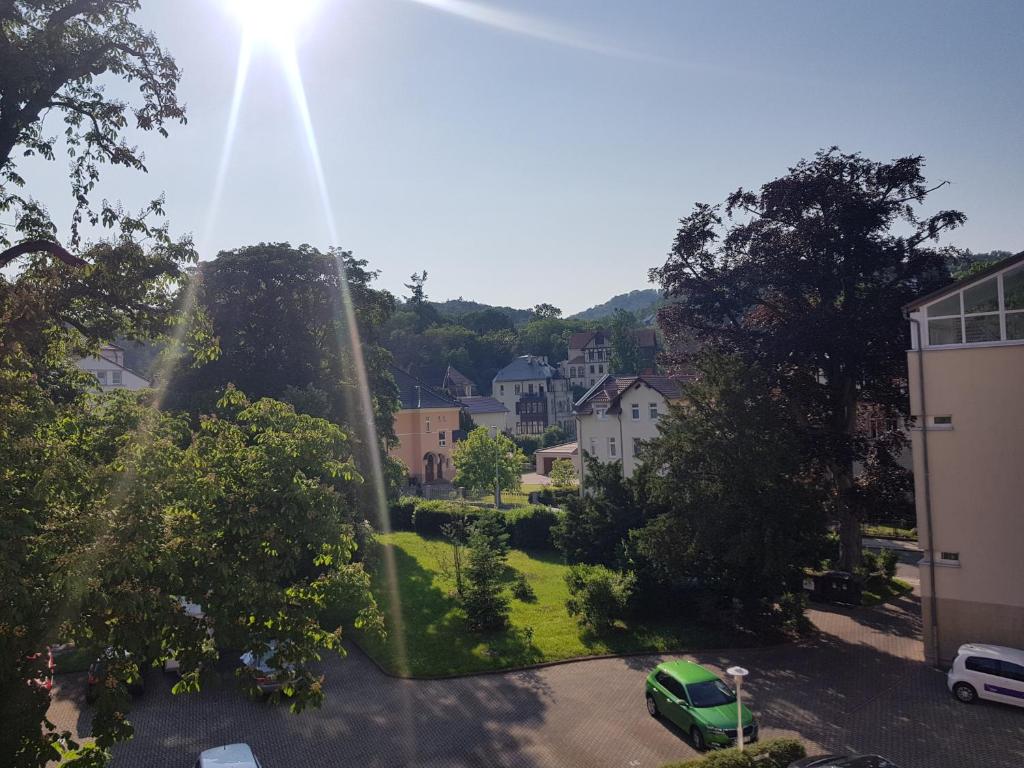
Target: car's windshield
{"x": 711, "y": 693}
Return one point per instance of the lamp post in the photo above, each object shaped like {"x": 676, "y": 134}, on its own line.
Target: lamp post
{"x": 497, "y": 469}
{"x": 738, "y": 673}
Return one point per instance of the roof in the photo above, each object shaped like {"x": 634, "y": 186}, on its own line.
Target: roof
{"x": 567, "y": 449}
{"x": 481, "y": 404}
{"x": 414, "y": 393}
{"x": 453, "y": 376}
{"x": 1009, "y": 261}
{"x": 687, "y": 672}
{"x": 610, "y": 389}
{"x": 995, "y": 651}
{"x": 234, "y": 755}
{"x": 576, "y": 360}
{"x": 526, "y": 368}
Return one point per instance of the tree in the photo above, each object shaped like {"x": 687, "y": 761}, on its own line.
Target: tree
{"x": 547, "y": 311}
{"x": 626, "y": 355}
{"x": 480, "y": 460}
{"x": 485, "y": 602}
{"x": 53, "y": 56}
{"x": 553, "y": 435}
{"x": 278, "y": 314}
{"x": 563, "y": 473}
{"x": 596, "y": 524}
{"x": 417, "y": 303}
{"x": 739, "y": 509}
{"x": 806, "y": 279}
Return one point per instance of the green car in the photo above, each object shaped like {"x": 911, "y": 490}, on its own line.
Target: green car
{"x": 699, "y": 703}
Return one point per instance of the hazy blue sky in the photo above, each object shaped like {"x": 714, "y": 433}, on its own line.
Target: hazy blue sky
{"x": 518, "y": 170}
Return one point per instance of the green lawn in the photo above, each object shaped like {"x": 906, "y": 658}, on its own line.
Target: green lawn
{"x": 888, "y": 532}
{"x": 438, "y": 642}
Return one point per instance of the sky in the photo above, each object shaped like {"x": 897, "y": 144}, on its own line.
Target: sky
{"x": 550, "y": 160}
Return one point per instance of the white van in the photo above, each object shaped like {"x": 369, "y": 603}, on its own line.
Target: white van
{"x": 987, "y": 672}
{"x": 228, "y": 756}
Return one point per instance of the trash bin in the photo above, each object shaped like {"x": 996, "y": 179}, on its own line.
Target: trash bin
{"x": 833, "y": 587}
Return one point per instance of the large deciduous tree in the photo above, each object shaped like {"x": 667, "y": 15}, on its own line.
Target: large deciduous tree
{"x": 53, "y": 54}
{"x": 805, "y": 278}
{"x": 481, "y": 460}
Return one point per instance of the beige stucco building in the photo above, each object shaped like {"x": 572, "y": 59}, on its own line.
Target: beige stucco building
{"x": 620, "y": 413}
{"x": 535, "y": 395}
{"x": 966, "y": 379}
{"x": 425, "y": 427}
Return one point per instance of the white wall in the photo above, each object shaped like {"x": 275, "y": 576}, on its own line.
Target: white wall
{"x": 107, "y": 373}
{"x": 595, "y": 434}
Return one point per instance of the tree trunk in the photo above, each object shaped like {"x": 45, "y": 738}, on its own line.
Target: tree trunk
{"x": 848, "y": 518}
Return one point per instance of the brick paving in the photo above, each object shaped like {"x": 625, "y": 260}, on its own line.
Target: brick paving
{"x": 858, "y": 685}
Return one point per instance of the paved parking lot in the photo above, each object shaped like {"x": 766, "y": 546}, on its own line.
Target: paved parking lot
{"x": 859, "y": 685}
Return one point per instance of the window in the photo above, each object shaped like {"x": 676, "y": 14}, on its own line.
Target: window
{"x": 1011, "y": 671}
{"x": 428, "y": 423}
{"x": 593, "y": 446}
{"x": 442, "y": 439}
{"x": 600, "y": 369}
{"x": 115, "y": 378}
{"x": 983, "y": 665}
{"x": 989, "y": 311}
{"x": 942, "y": 420}
{"x": 637, "y": 445}
{"x": 636, "y": 411}
{"x": 591, "y": 369}
{"x": 652, "y": 409}
{"x": 612, "y": 450}
{"x": 501, "y": 389}
{"x": 950, "y": 557}
{"x": 519, "y": 389}
{"x": 101, "y": 376}
{"x": 600, "y": 413}
{"x": 671, "y": 685}
{"x": 529, "y": 388}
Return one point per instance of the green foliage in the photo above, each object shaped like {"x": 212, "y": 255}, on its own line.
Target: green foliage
{"x": 805, "y": 278}
{"x": 596, "y": 524}
{"x": 626, "y": 355}
{"x": 563, "y": 474}
{"x": 553, "y": 435}
{"x": 530, "y": 527}
{"x": 740, "y": 516}
{"x": 59, "y": 60}
{"x": 401, "y": 513}
{"x": 279, "y": 313}
{"x": 521, "y": 589}
{"x": 484, "y": 600}
{"x": 773, "y": 753}
{"x": 479, "y": 458}
{"x": 429, "y": 517}
{"x": 598, "y": 595}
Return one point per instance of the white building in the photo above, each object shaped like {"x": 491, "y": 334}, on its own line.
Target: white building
{"x": 486, "y": 412}
{"x": 620, "y": 413}
{"x": 109, "y": 369}
{"x": 535, "y": 394}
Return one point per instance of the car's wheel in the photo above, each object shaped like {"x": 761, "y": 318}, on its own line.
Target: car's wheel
{"x": 652, "y": 706}
{"x": 698, "y": 739}
{"x": 965, "y": 693}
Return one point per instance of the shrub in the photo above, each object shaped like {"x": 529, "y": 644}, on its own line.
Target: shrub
{"x": 598, "y": 595}
{"x": 887, "y": 560}
{"x": 400, "y": 513}
{"x": 430, "y": 517}
{"x": 530, "y": 527}
{"x": 775, "y": 753}
{"x": 521, "y": 589}
{"x": 556, "y": 497}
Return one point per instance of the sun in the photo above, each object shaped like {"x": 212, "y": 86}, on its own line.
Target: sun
{"x": 275, "y": 22}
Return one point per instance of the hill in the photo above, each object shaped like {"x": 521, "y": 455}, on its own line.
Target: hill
{"x": 459, "y": 307}
{"x": 640, "y": 302}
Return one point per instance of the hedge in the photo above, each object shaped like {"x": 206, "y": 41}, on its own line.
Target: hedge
{"x": 528, "y": 527}
{"x": 774, "y": 753}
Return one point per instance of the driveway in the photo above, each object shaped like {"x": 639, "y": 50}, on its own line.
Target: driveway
{"x": 858, "y": 685}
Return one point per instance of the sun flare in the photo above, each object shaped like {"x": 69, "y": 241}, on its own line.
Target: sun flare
{"x": 276, "y": 22}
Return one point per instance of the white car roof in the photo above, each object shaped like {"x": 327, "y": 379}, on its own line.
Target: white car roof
{"x": 228, "y": 756}
{"x": 995, "y": 651}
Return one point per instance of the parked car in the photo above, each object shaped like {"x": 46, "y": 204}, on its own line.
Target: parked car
{"x": 98, "y": 674}
{"x": 228, "y": 756}
{"x": 267, "y": 677}
{"x": 839, "y": 761}
{"x": 193, "y": 611}
{"x": 991, "y": 672}
{"x": 699, "y": 703}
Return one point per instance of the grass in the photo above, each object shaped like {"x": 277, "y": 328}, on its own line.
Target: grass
{"x": 438, "y": 641}
{"x": 889, "y": 532}
{"x": 878, "y": 590}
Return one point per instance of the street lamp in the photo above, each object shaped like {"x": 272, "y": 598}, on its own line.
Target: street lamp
{"x": 738, "y": 673}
